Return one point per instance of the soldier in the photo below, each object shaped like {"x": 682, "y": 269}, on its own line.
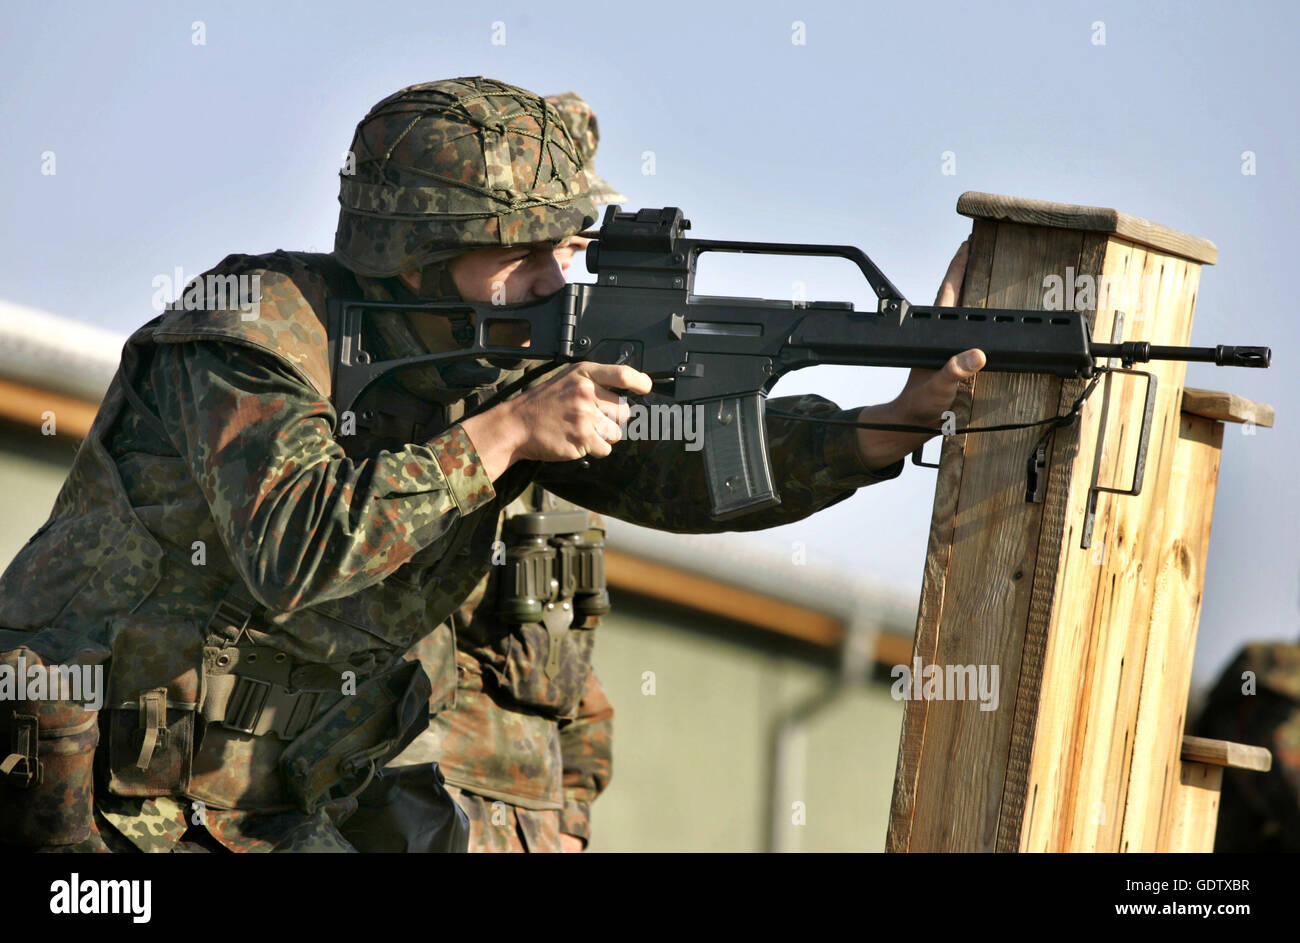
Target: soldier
{"x": 251, "y": 565}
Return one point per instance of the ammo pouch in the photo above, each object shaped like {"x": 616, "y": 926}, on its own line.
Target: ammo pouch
{"x": 407, "y": 809}
{"x": 358, "y": 735}
{"x": 153, "y": 693}
{"x": 47, "y": 738}
{"x": 552, "y": 581}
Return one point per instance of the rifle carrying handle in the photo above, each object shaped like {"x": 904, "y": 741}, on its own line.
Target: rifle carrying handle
{"x": 735, "y": 456}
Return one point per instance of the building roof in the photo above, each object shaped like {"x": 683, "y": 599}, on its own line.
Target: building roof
{"x": 56, "y": 353}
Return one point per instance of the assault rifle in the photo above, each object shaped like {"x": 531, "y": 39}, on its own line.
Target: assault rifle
{"x": 726, "y": 353}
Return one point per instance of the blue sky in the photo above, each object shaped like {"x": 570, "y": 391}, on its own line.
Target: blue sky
{"x": 174, "y": 154}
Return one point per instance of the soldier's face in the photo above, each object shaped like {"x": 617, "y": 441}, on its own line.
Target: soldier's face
{"x": 501, "y": 276}
{"x": 512, "y": 275}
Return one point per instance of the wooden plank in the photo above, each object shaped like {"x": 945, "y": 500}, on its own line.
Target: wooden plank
{"x": 987, "y": 584}
{"x": 1177, "y": 572}
{"x": 902, "y": 811}
{"x": 1226, "y": 407}
{"x": 1226, "y": 753}
{"x": 1117, "y": 617}
{"x": 27, "y": 404}
{"x": 1094, "y": 666}
{"x": 1076, "y": 582}
{"x": 1017, "y": 792}
{"x": 1193, "y": 809}
{"x": 992, "y": 206}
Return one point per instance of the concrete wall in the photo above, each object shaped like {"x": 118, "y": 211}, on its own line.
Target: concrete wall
{"x": 692, "y": 761}
{"x": 32, "y": 469}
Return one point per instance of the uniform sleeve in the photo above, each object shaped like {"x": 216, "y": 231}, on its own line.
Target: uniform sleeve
{"x": 586, "y": 743}
{"x": 662, "y": 484}
{"x": 301, "y": 521}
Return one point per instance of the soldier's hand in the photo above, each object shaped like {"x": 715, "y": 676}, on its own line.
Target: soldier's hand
{"x": 927, "y": 394}
{"x": 573, "y": 414}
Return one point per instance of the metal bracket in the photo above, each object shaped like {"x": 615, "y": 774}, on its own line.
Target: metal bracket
{"x": 1139, "y": 467}
{"x": 918, "y": 457}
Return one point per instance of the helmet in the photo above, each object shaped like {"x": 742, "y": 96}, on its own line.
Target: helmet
{"x": 451, "y": 166}
{"x": 581, "y": 122}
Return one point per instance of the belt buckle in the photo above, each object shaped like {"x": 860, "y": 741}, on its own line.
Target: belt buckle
{"x": 245, "y": 705}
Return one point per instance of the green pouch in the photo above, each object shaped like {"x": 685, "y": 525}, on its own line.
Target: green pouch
{"x": 48, "y": 736}
{"x": 153, "y": 695}
{"x": 358, "y": 735}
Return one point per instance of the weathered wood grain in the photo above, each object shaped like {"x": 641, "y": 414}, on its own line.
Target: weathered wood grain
{"x": 1015, "y": 209}
{"x": 1226, "y": 407}
{"x": 1227, "y": 753}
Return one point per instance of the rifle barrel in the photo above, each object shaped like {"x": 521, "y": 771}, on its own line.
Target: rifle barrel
{"x": 1224, "y": 356}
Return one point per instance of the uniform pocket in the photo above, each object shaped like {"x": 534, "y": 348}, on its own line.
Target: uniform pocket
{"x": 48, "y": 736}
{"x": 153, "y": 696}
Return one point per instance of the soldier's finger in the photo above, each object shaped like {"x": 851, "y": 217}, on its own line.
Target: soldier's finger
{"x": 618, "y": 376}
{"x": 617, "y": 410}
{"x": 952, "y": 279}
{"x": 598, "y": 446}
{"x": 966, "y": 364}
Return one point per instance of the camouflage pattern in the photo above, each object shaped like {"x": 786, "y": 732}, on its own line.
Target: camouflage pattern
{"x": 469, "y": 163}
{"x": 499, "y": 826}
{"x": 48, "y": 747}
{"x": 290, "y": 832}
{"x": 580, "y": 121}
{"x": 1258, "y": 811}
{"x": 154, "y": 826}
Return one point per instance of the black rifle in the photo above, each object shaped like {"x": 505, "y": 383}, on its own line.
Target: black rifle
{"x": 726, "y": 353}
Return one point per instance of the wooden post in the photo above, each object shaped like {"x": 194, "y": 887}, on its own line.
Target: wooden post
{"x": 1092, "y": 638}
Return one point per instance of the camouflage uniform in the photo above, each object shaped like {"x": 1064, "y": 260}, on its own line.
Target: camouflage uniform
{"x": 219, "y": 531}
{"x": 1258, "y": 811}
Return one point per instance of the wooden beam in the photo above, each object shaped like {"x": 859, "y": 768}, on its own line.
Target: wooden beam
{"x": 1015, "y": 209}
{"x": 1226, "y": 753}
{"x": 1192, "y": 813}
{"x": 1226, "y": 407}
